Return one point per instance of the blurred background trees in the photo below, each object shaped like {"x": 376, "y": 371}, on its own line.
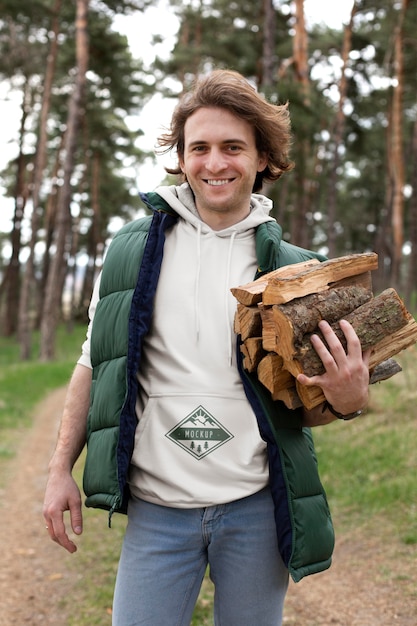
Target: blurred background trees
{"x": 352, "y": 95}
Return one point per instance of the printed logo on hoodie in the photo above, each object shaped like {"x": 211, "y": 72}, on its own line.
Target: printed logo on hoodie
{"x": 199, "y": 433}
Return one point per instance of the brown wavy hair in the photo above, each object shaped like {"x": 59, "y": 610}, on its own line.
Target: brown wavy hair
{"x": 229, "y": 90}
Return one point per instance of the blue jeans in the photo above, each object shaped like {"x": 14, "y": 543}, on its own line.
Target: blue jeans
{"x": 166, "y": 552}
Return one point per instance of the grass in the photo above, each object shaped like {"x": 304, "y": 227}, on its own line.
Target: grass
{"x": 368, "y": 468}
{"x": 23, "y": 384}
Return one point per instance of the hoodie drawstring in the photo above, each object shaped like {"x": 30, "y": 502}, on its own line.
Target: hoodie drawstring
{"x": 226, "y": 292}
{"x": 197, "y": 283}
{"x": 227, "y": 298}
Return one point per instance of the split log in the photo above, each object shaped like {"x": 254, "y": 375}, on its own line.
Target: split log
{"x": 289, "y": 397}
{"x": 253, "y": 353}
{"x": 362, "y": 280}
{"x": 248, "y": 322}
{"x": 301, "y": 316}
{"x": 269, "y": 329}
{"x": 377, "y": 319}
{"x": 310, "y": 396}
{"x": 269, "y": 332}
{"x": 317, "y": 278}
{"x": 383, "y": 371}
{"x": 258, "y": 320}
{"x": 251, "y": 293}
{"x": 272, "y": 374}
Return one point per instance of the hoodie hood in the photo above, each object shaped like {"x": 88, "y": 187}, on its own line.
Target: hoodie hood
{"x": 181, "y": 199}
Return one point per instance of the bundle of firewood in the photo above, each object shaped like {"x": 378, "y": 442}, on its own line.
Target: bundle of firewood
{"x": 277, "y": 314}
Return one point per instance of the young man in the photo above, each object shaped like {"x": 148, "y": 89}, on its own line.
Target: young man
{"x": 211, "y": 471}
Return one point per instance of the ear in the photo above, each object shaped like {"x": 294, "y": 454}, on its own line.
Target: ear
{"x": 181, "y": 164}
{"x": 262, "y": 162}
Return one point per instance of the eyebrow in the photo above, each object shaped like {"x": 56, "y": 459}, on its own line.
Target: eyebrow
{"x": 199, "y": 142}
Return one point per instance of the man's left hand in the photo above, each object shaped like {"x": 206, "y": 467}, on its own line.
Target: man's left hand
{"x": 346, "y": 378}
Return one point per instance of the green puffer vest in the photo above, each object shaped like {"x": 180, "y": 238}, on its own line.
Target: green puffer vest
{"x": 122, "y": 318}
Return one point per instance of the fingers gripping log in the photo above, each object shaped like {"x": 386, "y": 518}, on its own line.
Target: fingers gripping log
{"x": 277, "y": 315}
{"x": 381, "y": 317}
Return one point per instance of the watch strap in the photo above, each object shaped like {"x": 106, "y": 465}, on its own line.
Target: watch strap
{"x": 341, "y": 416}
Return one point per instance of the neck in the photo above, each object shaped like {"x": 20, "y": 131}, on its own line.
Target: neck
{"x": 219, "y": 221}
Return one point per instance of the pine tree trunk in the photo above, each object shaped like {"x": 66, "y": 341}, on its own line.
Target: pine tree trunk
{"x": 53, "y": 295}
{"x": 299, "y": 228}
{"x": 268, "y": 48}
{"x": 10, "y": 288}
{"x": 396, "y": 158}
{"x": 25, "y": 307}
{"x": 337, "y": 138}
{"x": 300, "y": 51}
{"x": 411, "y": 287}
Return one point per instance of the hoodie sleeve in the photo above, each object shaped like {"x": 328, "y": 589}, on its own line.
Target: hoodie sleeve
{"x": 85, "y": 348}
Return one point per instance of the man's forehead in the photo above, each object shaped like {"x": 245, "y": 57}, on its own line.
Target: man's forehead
{"x": 208, "y": 124}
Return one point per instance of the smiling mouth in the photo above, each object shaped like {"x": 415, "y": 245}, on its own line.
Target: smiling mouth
{"x": 218, "y": 183}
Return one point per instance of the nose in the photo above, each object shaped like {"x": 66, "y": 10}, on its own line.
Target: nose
{"x": 216, "y": 160}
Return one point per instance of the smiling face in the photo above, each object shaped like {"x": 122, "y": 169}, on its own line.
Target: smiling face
{"x": 220, "y": 162}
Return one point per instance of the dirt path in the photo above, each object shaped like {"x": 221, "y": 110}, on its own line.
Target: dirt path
{"x": 34, "y": 576}
{"x": 358, "y": 590}
{"x": 364, "y": 587}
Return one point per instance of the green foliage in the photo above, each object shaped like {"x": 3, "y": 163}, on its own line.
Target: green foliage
{"x": 118, "y": 86}
{"x": 362, "y": 214}
{"x": 237, "y": 44}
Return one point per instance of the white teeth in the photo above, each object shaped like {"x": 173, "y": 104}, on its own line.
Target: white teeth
{"x": 217, "y": 183}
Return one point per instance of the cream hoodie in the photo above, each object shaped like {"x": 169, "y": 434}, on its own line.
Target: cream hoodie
{"x": 197, "y": 441}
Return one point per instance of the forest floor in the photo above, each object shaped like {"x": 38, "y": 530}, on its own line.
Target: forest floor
{"x": 362, "y": 588}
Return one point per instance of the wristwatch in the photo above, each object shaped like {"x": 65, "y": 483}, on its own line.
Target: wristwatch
{"x": 346, "y": 418}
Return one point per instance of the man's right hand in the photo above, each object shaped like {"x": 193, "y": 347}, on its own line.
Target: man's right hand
{"x": 62, "y": 494}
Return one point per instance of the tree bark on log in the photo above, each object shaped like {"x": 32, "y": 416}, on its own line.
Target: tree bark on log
{"x": 373, "y": 321}
{"x": 384, "y": 370}
{"x": 381, "y": 367}
{"x": 301, "y": 316}
{"x": 391, "y": 345}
